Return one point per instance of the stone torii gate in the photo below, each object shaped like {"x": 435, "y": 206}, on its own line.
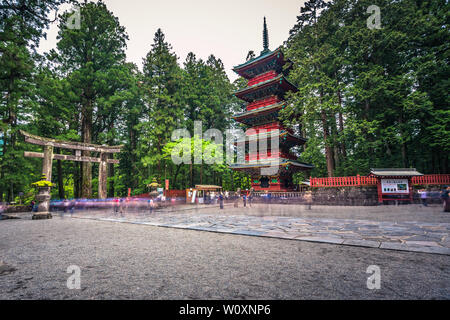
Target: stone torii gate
{"x": 48, "y": 156}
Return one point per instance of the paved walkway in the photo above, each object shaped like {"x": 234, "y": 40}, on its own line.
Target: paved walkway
{"x": 406, "y": 236}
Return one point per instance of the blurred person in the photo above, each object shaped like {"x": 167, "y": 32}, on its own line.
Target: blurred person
{"x": 446, "y": 199}
{"x": 121, "y": 206}
{"x": 72, "y": 206}
{"x": 423, "y": 197}
{"x": 221, "y": 200}
{"x": 65, "y": 204}
{"x": 237, "y": 195}
{"x": 151, "y": 205}
{"x": 116, "y": 205}
{"x": 308, "y": 199}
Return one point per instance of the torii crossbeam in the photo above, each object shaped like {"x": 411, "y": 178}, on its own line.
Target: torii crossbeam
{"x": 48, "y": 156}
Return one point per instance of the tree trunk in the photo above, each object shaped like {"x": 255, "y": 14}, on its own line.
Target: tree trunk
{"x": 111, "y": 189}
{"x": 341, "y": 126}
{"x": 403, "y": 144}
{"x": 86, "y": 178}
{"x": 60, "y": 177}
{"x": 201, "y": 173}
{"x": 76, "y": 179}
{"x": 328, "y": 149}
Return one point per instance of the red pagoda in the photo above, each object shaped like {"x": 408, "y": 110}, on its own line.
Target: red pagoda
{"x": 264, "y": 98}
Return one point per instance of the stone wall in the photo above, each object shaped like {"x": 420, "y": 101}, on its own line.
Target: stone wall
{"x": 15, "y": 209}
{"x": 345, "y": 196}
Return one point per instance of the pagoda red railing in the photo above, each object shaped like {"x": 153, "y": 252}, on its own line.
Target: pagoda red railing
{"x": 265, "y": 127}
{"x": 358, "y": 180}
{"x": 262, "y": 77}
{"x": 269, "y": 155}
{"x": 262, "y": 103}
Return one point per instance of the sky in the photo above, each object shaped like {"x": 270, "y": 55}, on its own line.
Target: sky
{"x": 226, "y": 28}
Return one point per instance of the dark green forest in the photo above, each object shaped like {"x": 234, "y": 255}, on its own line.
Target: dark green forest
{"x": 368, "y": 97}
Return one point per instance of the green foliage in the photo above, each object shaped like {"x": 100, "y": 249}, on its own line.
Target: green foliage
{"x": 365, "y": 96}
{"x": 42, "y": 183}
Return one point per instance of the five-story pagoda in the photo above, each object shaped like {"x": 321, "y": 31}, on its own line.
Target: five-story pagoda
{"x": 264, "y": 97}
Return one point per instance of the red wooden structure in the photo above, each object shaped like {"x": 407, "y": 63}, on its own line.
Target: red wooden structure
{"x": 264, "y": 97}
{"x": 392, "y": 184}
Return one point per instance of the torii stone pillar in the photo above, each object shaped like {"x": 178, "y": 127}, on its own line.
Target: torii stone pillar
{"x": 102, "y": 175}
{"x": 47, "y": 162}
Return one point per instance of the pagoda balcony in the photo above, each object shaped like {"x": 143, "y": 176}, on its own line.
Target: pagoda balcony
{"x": 269, "y": 156}
{"x": 278, "y": 86}
{"x": 266, "y": 128}
{"x": 263, "y": 103}
{"x": 286, "y": 140}
{"x": 262, "y": 77}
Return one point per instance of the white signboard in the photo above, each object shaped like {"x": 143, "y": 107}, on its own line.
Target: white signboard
{"x": 394, "y": 186}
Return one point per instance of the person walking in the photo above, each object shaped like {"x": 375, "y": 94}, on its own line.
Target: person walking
{"x": 151, "y": 205}
{"x": 121, "y": 205}
{"x": 72, "y": 206}
{"x": 308, "y": 199}
{"x": 221, "y": 200}
{"x": 446, "y": 199}
{"x": 423, "y": 197}
{"x": 116, "y": 205}
{"x": 65, "y": 204}
{"x": 250, "y": 197}
{"x": 237, "y": 197}
{"x": 244, "y": 198}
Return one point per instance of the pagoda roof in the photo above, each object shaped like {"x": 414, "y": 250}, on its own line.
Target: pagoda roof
{"x": 286, "y": 85}
{"x": 269, "y": 108}
{"x": 257, "y": 60}
{"x": 267, "y": 60}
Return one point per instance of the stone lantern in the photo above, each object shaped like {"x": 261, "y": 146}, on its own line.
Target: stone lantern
{"x": 43, "y": 199}
{"x": 153, "y": 188}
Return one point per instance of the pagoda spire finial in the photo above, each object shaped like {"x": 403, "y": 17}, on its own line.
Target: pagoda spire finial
{"x": 265, "y": 38}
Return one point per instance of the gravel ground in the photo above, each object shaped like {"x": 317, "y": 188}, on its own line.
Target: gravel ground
{"x": 126, "y": 261}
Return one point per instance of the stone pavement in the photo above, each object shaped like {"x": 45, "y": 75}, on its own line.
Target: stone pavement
{"x": 406, "y": 236}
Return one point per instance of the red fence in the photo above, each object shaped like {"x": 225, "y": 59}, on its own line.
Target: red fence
{"x": 175, "y": 193}
{"x": 358, "y": 180}
{"x": 432, "y": 179}
{"x": 342, "y": 181}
